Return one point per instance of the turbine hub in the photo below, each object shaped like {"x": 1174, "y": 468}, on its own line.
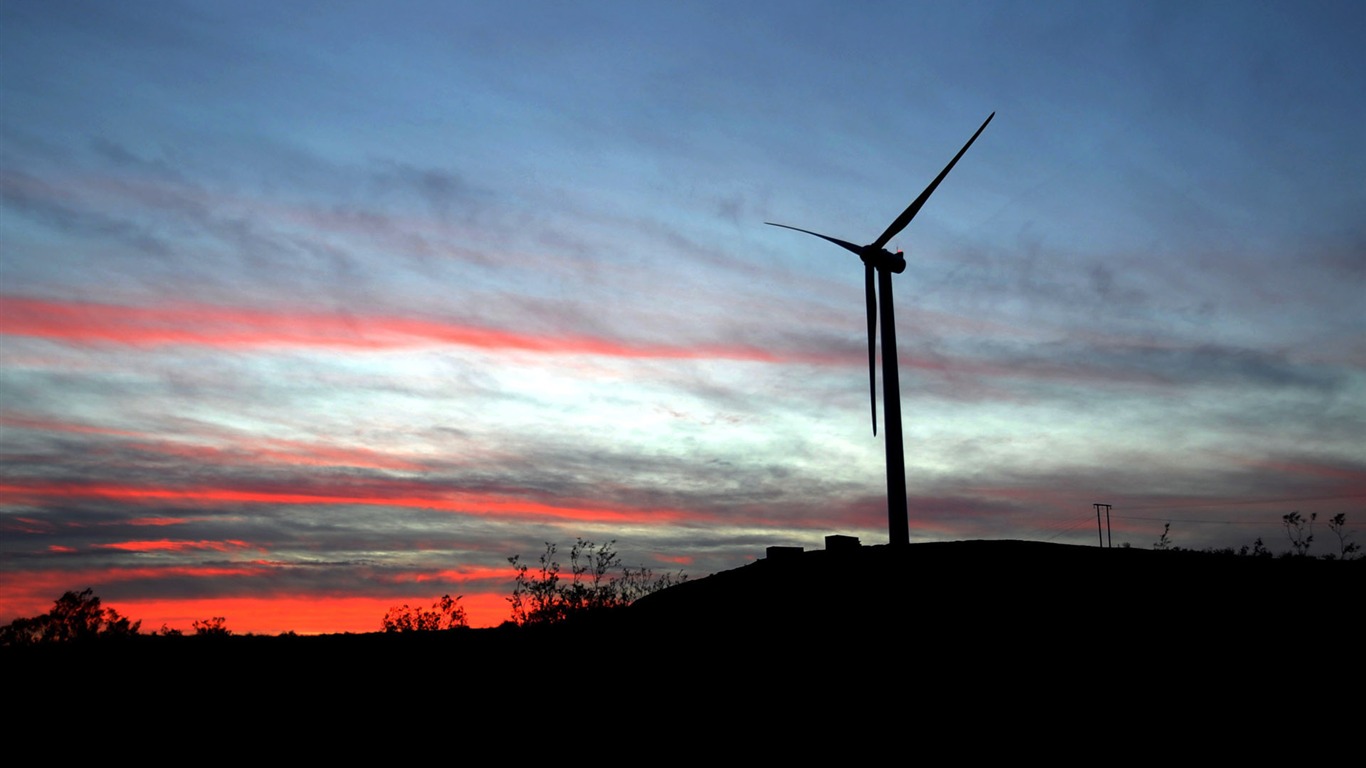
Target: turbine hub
{"x": 884, "y": 259}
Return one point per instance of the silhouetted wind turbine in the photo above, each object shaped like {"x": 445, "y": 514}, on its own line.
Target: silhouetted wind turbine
{"x": 876, "y": 256}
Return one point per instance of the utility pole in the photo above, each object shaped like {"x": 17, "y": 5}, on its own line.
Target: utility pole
{"x": 1106, "y": 533}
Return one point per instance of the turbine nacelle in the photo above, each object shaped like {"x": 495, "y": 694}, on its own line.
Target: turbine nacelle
{"x": 883, "y": 259}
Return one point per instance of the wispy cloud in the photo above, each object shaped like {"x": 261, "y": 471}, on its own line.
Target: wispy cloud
{"x": 352, "y": 322}
{"x": 91, "y": 323}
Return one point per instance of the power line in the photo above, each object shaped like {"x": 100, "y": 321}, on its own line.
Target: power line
{"x": 1193, "y": 520}
{"x": 1055, "y": 533}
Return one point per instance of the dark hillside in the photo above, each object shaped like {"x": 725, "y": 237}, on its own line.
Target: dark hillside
{"x": 979, "y": 584}
{"x": 955, "y": 619}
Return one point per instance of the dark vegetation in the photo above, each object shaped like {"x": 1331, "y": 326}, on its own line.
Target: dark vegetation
{"x": 1299, "y": 530}
{"x": 76, "y": 617}
{"x": 971, "y": 624}
{"x": 597, "y": 582}
{"x": 446, "y": 613}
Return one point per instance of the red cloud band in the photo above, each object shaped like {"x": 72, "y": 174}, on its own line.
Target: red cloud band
{"x": 198, "y": 325}
{"x": 389, "y": 494}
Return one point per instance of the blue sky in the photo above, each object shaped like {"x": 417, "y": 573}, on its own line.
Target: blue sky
{"x": 307, "y": 311}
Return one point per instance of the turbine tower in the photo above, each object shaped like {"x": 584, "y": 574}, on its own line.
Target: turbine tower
{"x": 877, "y": 258}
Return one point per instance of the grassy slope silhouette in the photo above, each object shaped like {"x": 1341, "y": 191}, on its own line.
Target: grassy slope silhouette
{"x": 951, "y": 621}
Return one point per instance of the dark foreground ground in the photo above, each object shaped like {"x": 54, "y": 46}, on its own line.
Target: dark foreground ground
{"x": 1001, "y": 629}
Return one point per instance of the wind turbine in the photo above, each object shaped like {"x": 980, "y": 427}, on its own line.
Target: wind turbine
{"x": 876, "y": 257}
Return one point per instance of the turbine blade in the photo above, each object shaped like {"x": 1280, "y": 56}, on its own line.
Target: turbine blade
{"x": 870, "y": 298}
{"x": 841, "y": 243}
{"x": 914, "y": 208}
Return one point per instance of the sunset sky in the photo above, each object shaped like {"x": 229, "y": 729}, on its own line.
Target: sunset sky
{"x": 312, "y": 309}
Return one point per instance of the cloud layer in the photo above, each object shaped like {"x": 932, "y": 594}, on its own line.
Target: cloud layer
{"x": 302, "y": 317}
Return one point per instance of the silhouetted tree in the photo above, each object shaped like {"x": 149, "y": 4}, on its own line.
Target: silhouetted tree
{"x": 1338, "y": 525}
{"x": 1165, "y": 542}
{"x": 597, "y": 581}
{"x": 1295, "y": 526}
{"x": 1258, "y": 549}
{"x": 214, "y": 627}
{"x": 446, "y": 613}
{"x": 75, "y": 617}
{"x": 535, "y": 597}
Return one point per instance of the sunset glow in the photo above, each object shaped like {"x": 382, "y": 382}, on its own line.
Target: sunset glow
{"x": 305, "y": 315}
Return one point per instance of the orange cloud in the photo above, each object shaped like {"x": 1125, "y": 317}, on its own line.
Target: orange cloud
{"x": 158, "y": 521}
{"x": 240, "y": 449}
{"x": 388, "y": 494}
{"x": 200, "y": 325}
{"x": 166, "y": 545}
{"x": 48, "y": 425}
{"x": 31, "y": 592}
{"x": 463, "y": 575}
